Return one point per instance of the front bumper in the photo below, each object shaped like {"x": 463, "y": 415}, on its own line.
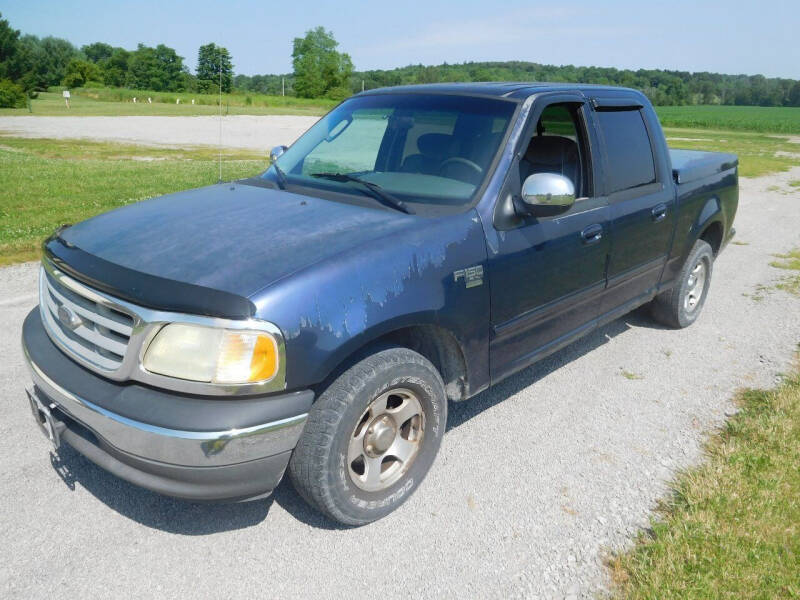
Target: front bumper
{"x": 198, "y": 448}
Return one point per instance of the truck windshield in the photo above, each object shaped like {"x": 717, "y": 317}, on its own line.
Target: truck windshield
{"x": 423, "y": 149}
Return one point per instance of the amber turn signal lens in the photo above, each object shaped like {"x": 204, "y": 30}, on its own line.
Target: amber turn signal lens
{"x": 264, "y": 364}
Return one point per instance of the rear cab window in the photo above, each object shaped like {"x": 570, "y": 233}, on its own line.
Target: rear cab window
{"x": 630, "y": 162}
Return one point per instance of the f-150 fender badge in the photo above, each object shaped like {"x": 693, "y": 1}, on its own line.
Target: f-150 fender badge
{"x": 472, "y": 276}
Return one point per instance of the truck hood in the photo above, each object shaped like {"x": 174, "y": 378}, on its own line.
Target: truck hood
{"x": 230, "y": 237}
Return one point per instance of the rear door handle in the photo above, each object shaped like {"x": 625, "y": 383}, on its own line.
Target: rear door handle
{"x": 659, "y": 213}
{"x": 592, "y": 234}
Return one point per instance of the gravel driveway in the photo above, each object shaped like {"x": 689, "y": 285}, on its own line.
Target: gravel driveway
{"x": 536, "y": 479}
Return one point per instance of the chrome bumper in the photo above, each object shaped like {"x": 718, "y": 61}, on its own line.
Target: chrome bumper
{"x": 175, "y": 447}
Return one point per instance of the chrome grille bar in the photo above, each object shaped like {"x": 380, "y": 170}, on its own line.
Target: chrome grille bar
{"x": 82, "y": 326}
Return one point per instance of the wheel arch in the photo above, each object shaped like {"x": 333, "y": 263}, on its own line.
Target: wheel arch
{"x": 709, "y": 226}
{"x": 435, "y": 342}
{"x": 713, "y": 234}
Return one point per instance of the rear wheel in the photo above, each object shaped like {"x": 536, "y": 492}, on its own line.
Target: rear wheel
{"x": 680, "y": 306}
{"x": 371, "y": 437}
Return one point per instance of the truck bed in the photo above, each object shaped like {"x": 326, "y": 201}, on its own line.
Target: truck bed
{"x": 691, "y": 165}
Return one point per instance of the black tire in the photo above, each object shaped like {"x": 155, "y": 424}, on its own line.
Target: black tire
{"x": 672, "y": 308}
{"x": 318, "y": 467}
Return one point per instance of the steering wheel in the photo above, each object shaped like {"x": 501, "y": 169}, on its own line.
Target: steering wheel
{"x": 457, "y": 160}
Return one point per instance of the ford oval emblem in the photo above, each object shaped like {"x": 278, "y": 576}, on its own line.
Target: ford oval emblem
{"x": 68, "y": 318}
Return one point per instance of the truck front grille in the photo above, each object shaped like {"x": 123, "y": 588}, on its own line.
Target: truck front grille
{"x": 82, "y": 323}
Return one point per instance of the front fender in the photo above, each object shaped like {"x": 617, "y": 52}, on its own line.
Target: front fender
{"x": 332, "y": 309}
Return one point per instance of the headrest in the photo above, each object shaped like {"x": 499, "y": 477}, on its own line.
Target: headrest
{"x": 550, "y": 149}
{"x": 436, "y": 145}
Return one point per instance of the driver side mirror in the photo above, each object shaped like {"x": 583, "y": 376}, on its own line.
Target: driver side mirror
{"x": 547, "y": 194}
{"x": 276, "y": 152}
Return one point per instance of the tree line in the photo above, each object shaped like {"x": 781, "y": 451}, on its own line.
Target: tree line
{"x": 29, "y": 64}
{"x": 662, "y": 87}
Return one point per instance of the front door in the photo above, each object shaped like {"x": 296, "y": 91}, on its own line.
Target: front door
{"x": 547, "y": 274}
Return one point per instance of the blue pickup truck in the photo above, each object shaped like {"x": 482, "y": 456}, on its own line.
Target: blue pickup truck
{"x": 415, "y": 246}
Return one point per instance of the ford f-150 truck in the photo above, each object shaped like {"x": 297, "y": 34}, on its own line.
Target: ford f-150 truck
{"x": 415, "y": 246}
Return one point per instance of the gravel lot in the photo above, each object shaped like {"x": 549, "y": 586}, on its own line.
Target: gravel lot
{"x": 537, "y": 479}
{"x": 238, "y": 131}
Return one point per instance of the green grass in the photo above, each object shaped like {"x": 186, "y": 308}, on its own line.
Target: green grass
{"x": 732, "y": 526}
{"x": 790, "y": 262}
{"x": 630, "y": 376}
{"x": 47, "y": 183}
{"x": 119, "y": 102}
{"x": 759, "y": 153}
{"x": 740, "y": 118}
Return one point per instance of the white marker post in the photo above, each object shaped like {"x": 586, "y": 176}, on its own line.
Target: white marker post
{"x": 134, "y": 99}
{"x": 65, "y": 94}
{"x": 149, "y": 100}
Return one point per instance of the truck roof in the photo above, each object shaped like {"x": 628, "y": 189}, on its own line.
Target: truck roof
{"x": 500, "y": 89}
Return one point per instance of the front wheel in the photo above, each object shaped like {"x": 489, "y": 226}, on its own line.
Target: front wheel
{"x": 371, "y": 437}
{"x": 680, "y": 306}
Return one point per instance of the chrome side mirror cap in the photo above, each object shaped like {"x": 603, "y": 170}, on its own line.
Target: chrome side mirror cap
{"x": 547, "y": 194}
{"x": 276, "y": 152}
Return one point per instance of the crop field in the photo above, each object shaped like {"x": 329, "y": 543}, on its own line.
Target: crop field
{"x": 740, "y": 118}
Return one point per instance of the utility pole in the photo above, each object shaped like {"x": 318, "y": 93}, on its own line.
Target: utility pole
{"x": 362, "y": 85}
{"x": 283, "y": 86}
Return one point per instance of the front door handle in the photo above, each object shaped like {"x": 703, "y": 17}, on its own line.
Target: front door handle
{"x": 592, "y": 234}
{"x": 659, "y": 213}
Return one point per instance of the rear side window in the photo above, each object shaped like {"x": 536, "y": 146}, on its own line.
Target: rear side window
{"x": 630, "y": 156}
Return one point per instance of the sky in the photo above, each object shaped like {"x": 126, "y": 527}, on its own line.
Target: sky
{"x": 734, "y": 36}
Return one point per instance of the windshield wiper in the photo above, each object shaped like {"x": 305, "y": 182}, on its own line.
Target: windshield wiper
{"x": 281, "y": 176}
{"x": 376, "y": 190}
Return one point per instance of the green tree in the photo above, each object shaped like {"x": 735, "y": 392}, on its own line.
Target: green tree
{"x": 211, "y": 60}
{"x": 98, "y": 51}
{"x": 794, "y": 95}
{"x": 319, "y": 69}
{"x": 9, "y": 43}
{"x": 158, "y": 69}
{"x": 115, "y": 67}
{"x": 80, "y": 72}
{"x": 11, "y": 95}
{"x": 42, "y": 63}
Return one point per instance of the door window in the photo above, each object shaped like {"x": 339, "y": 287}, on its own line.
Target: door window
{"x": 558, "y": 146}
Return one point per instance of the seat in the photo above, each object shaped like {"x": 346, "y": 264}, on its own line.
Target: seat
{"x": 552, "y": 154}
{"x": 433, "y": 148}
{"x": 481, "y": 148}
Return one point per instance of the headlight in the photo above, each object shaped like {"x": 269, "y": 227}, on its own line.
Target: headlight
{"x": 214, "y": 355}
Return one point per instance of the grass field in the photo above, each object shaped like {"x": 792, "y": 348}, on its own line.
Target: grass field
{"x": 738, "y": 118}
{"x": 732, "y": 526}
{"x": 47, "y": 183}
{"x": 759, "y": 153}
{"x": 119, "y": 102}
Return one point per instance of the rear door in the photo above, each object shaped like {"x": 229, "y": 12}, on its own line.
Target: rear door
{"x": 641, "y": 202}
